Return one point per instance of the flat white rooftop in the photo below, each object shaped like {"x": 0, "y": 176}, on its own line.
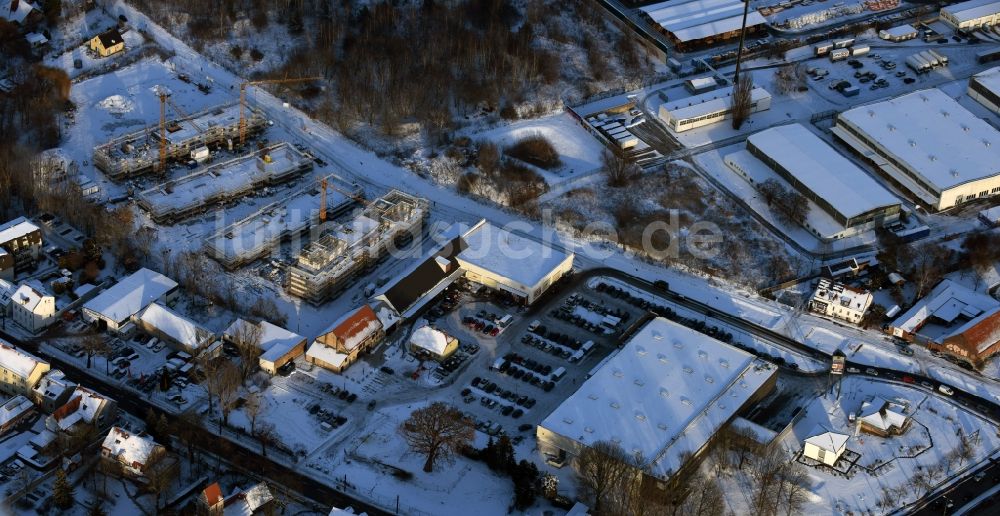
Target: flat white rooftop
{"x": 520, "y": 259}
{"x": 989, "y": 79}
{"x": 899, "y": 31}
{"x": 15, "y": 229}
{"x": 933, "y": 134}
{"x": 130, "y": 295}
{"x": 823, "y": 170}
{"x": 697, "y": 19}
{"x": 973, "y": 9}
{"x": 176, "y": 326}
{"x": 705, "y": 103}
{"x": 664, "y": 395}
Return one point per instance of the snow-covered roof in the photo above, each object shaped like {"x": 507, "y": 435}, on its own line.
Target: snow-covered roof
{"x": 18, "y": 15}
{"x": 843, "y": 295}
{"x": 346, "y": 511}
{"x": 433, "y": 340}
{"x": 13, "y": 408}
{"x": 933, "y": 135}
{"x": 53, "y": 384}
{"x": 899, "y": 31}
{"x": 275, "y": 341}
{"x": 664, "y": 395}
{"x": 36, "y": 39}
{"x": 882, "y": 414}
{"x": 828, "y": 441}
{"x": 246, "y": 503}
{"x": 760, "y": 433}
{"x": 327, "y": 354}
{"x": 946, "y": 302}
{"x": 822, "y": 170}
{"x": 517, "y": 258}
{"x": 989, "y": 79}
{"x": 991, "y": 214}
{"x": 352, "y": 329}
{"x": 83, "y": 406}
{"x": 15, "y": 229}
{"x": 28, "y": 297}
{"x": 129, "y": 448}
{"x": 972, "y": 10}
{"x": 7, "y": 290}
{"x": 696, "y": 19}
{"x": 177, "y": 327}
{"x": 705, "y": 103}
{"x": 17, "y": 361}
{"x": 130, "y": 295}
{"x": 82, "y": 290}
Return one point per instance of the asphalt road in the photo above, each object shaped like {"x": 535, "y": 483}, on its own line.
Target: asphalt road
{"x": 964, "y": 492}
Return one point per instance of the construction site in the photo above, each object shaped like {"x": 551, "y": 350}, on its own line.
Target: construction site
{"x": 343, "y": 250}
{"x": 262, "y": 232}
{"x": 224, "y": 182}
{"x": 152, "y": 148}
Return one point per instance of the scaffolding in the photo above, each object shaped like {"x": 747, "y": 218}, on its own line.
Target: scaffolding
{"x": 327, "y": 265}
{"x": 137, "y": 153}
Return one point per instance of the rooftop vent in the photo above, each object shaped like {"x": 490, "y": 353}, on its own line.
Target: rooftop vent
{"x": 664, "y": 392}
{"x": 965, "y": 128}
{"x": 709, "y": 379}
{"x": 945, "y": 113}
{"x": 639, "y": 382}
{"x": 924, "y": 98}
{"x": 932, "y": 157}
{"x": 954, "y": 173}
{"x": 871, "y": 113}
{"x": 568, "y": 421}
{"x": 640, "y": 416}
{"x": 678, "y": 344}
{"x": 685, "y": 400}
{"x": 702, "y": 355}
{"x": 618, "y": 373}
{"x": 688, "y": 370}
{"x": 724, "y": 363}
{"x": 662, "y": 426}
{"x": 641, "y": 350}
{"x": 891, "y": 127}
{"x": 986, "y": 142}
{"x": 657, "y": 335}
{"x": 593, "y": 396}
{"x": 615, "y": 405}
{"x": 662, "y": 357}
{"x": 588, "y": 429}
{"x": 911, "y": 142}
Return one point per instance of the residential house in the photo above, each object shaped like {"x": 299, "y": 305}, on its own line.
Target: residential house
{"x": 250, "y": 502}
{"x": 7, "y": 290}
{"x": 20, "y": 12}
{"x": 133, "y": 453}
{"x": 826, "y": 447}
{"x": 14, "y": 411}
{"x": 6, "y": 265}
{"x": 278, "y": 346}
{"x": 85, "y": 412}
{"x": 20, "y": 372}
{"x": 342, "y": 344}
{"x": 22, "y": 240}
{"x": 436, "y": 343}
{"x": 883, "y": 418}
{"x": 174, "y": 329}
{"x": 33, "y": 308}
{"x": 52, "y": 391}
{"x": 840, "y": 301}
{"x": 107, "y": 43}
{"x": 211, "y": 502}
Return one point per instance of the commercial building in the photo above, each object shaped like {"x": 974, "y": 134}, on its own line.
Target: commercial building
{"x": 708, "y": 108}
{"x": 897, "y": 34}
{"x": 182, "y": 197}
{"x": 984, "y": 87}
{"x": 261, "y": 233}
{"x": 840, "y": 301}
{"x": 665, "y": 395}
{"x": 342, "y": 251}
{"x": 340, "y": 345}
{"x": 824, "y": 176}
{"x": 21, "y": 241}
{"x": 432, "y": 342}
{"x": 517, "y": 266}
{"x": 134, "y": 454}
{"x": 927, "y": 144}
{"x": 955, "y": 320}
{"x": 116, "y": 307}
{"x": 278, "y": 346}
{"x": 973, "y": 14}
{"x": 825, "y": 448}
{"x": 173, "y": 329}
{"x": 107, "y": 43}
{"x": 408, "y": 293}
{"x": 691, "y": 24}
{"x": 19, "y": 371}
{"x": 33, "y": 308}
{"x": 139, "y": 152}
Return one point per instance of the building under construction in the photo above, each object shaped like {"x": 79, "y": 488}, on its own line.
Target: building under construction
{"x": 138, "y": 153}
{"x": 344, "y": 250}
{"x": 259, "y": 234}
{"x": 180, "y": 198}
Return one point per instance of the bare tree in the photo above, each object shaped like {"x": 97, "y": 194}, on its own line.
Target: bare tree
{"x": 702, "y": 497}
{"x": 619, "y": 168}
{"x": 926, "y": 265}
{"x": 742, "y": 99}
{"x": 607, "y": 477}
{"x": 94, "y": 344}
{"x": 266, "y": 434}
{"x": 185, "y": 428}
{"x": 246, "y": 339}
{"x": 438, "y": 431}
{"x": 223, "y": 383}
{"x": 253, "y": 407}
{"x": 160, "y": 475}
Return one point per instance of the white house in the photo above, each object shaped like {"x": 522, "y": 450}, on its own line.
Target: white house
{"x": 32, "y": 308}
{"x": 437, "y": 343}
{"x": 116, "y": 307}
{"x": 133, "y": 452}
{"x": 840, "y": 301}
{"x": 826, "y": 447}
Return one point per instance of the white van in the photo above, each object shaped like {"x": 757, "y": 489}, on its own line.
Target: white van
{"x": 558, "y": 374}
{"x": 505, "y": 321}
{"x": 946, "y": 390}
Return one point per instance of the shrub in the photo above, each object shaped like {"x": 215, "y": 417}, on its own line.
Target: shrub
{"x": 535, "y": 149}
{"x": 256, "y": 54}
{"x": 236, "y": 51}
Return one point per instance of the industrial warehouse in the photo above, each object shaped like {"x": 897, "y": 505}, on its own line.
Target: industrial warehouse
{"x": 180, "y": 198}
{"x": 984, "y": 87}
{"x": 261, "y": 232}
{"x": 972, "y": 14}
{"x": 811, "y": 166}
{"x": 928, "y": 144}
{"x": 708, "y": 108}
{"x": 140, "y": 152}
{"x": 696, "y": 23}
{"x": 664, "y": 396}
{"x": 327, "y": 264}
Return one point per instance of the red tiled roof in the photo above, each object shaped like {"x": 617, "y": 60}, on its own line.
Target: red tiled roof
{"x": 213, "y": 494}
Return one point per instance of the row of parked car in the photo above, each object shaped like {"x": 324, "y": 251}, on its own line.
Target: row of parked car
{"x": 665, "y": 311}
{"x": 492, "y": 388}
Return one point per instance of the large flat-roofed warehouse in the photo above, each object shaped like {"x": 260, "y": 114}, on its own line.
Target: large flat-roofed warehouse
{"x": 972, "y": 14}
{"x": 927, "y": 144}
{"x": 327, "y": 264}
{"x": 180, "y": 198}
{"x": 708, "y": 108}
{"x": 139, "y": 152}
{"x": 664, "y": 395}
{"x": 984, "y": 87}
{"x": 694, "y": 23}
{"x": 260, "y": 233}
{"x": 822, "y": 174}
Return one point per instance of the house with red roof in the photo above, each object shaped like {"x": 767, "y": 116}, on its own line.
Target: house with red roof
{"x": 341, "y": 344}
